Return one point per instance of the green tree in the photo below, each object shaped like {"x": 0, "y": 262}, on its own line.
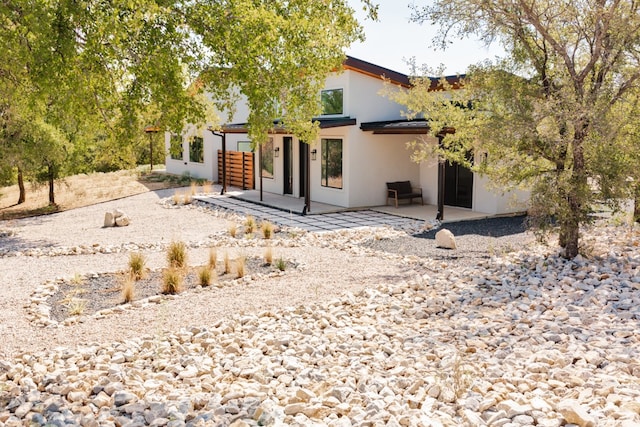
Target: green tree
{"x": 549, "y": 116}
{"x": 105, "y": 70}
{"x": 277, "y": 54}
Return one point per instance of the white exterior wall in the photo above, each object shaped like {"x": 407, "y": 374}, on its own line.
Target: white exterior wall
{"x": 207, "y": 170}
{"x": 369, "y": 160}
{"x": 493, "y": 201}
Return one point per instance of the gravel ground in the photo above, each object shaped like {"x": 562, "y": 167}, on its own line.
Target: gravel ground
{"x": 327, "y": 271}
{"x": 476, "y": 241}
{"x": 372, "y": 327}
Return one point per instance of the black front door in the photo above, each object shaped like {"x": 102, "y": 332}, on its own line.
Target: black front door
{"x": 458, "y": 185}
{"x": 303, "y": 149}
{"x": 288, "y": 164}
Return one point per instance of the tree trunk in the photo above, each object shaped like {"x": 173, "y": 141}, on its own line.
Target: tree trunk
{"x": 570, "y": 227}
{"x": 23, "y": 192}
{"x": 51, "y": 176}
{"x": 636, "y": 204}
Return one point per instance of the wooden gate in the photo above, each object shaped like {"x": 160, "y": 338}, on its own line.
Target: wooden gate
{"x": 239, "y": 169}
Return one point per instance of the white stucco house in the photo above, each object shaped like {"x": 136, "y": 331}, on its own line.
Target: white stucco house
{"x": 362, "y": 146}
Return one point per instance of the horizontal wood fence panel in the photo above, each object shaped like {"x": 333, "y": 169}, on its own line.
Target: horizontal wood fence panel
{"x": 239, "y": 165}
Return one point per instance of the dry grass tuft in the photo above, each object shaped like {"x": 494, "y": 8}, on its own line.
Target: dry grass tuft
{"x": 267, "y": 229}
{"x": 268, "y": 255}
{"x": 128, "y": 287}
{"x": 249, "y": 224}
{"x": 172, "y": 280}
{"x": 207, "y": 187}
{"x": 137, "y": 264}
{"x": 227, "y": 263}
{"x": 206, "y": 276}
{"x": 177, "y": 255}
{"x": 193, "y": 190}
{"x": 187, "y": 198}
{"x": 233, "y": 229}
{"x": 76, "y": 306}
{"x": 177, "y": 197}
{"x": 213, "y": 258}
{"x": 241, "y": 265}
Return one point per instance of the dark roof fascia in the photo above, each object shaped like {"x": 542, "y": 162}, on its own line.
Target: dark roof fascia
{"x": 452, "y": 81}
{"x": 397, "y": 127}
{"x": 396, "y": 77}
{"x": 278, "y": 128}
{"x": 377, "y": 71}
{"x": 335, "y": 122}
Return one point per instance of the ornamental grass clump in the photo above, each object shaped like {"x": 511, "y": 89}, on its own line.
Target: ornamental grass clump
{"x": 241, "y": 264}
{"x": 177, "y": 255}
{"x": 137, "y": 264}
{"x": 281, "y": 264}
{"x": 207, "y": 187}
{"x": 227, "y": 263}
{"x": 267, "y": 229}
{"x": 268, "y": 256}
{"x": 128, "y": 287}
{"x": 172, "y": 280}
{"x": 187, "y": 198}
{"x": 233, "y": 230}
{"x": 249, "y": 225}
{"x": 213, "y": 258}
{"x": 77, "y": 306}
{"x": 205, "y": 275}
{"x": 176, "y": 197}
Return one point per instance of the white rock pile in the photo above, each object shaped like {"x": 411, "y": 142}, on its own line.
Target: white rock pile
{"x": 116, "y": 218}
{"x": 528, "y": 340}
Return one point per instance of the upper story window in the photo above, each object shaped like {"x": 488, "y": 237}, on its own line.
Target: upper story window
{"x": 332, "y": 101}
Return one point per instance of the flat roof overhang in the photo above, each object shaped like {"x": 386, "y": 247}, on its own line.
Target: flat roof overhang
{"x": 397, "y": 127}
{"x": 401, "y": 127}
{"x": 278, "y": 127}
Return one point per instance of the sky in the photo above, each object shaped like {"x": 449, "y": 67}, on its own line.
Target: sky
{"x": 392, "y": 40}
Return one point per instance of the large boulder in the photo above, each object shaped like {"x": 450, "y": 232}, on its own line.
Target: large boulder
{"x": 445, "y": 239}
{"x": 123, "y": 220}
{"x": 116, "y": 218}
{"x": 109, "y": 219}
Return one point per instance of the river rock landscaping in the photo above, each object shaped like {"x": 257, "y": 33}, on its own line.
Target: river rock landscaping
{"x": 512, "y": 336}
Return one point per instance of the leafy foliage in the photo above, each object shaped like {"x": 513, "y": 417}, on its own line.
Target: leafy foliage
{"x": 80, "y": 80}
{"x": 552, "y": 116}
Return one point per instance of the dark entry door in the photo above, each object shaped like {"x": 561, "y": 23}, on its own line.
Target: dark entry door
{"x": 288, "y": 164}
{"x": 303, "y": 149}
{"x": 458, "y": 185}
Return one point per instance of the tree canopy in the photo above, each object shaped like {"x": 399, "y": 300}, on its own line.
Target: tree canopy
{"x": 101, "y": 71}
{"x": 555, "y": 114}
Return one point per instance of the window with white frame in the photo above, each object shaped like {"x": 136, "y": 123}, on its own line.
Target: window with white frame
{"x": 175, "y": 147}
{"x": 332, "y": 102}
{"x": 196, "y": 149}
{"x": 245, "y": 146}
{"x": 331, "y": 164}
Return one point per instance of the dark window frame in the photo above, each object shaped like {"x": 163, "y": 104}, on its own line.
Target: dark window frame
{"x": 266, "y": 159}
{"x": 196, "y": 151}
{"x": 327, "y": 98}
{"x": 331, "y": 162}
{"x": 175, "y": 142}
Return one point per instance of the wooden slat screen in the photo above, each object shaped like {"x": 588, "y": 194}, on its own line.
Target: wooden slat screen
{"x": 239, "y": 169}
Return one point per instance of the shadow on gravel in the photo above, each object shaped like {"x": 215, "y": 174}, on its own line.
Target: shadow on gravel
{"x": 490, "y": 227}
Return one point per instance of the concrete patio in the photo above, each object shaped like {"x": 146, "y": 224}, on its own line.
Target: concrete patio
{"x": 295, "y": 205}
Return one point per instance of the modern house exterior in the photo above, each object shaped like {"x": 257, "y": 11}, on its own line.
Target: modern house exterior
{"x": 361, "y": 147}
